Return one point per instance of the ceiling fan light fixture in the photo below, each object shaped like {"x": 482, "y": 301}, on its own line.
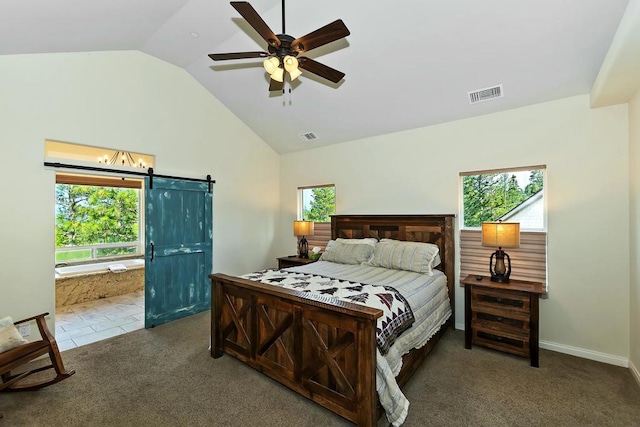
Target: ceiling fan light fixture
{"x": 278, "y": 75}
{"x": 271, "y": 64}
{"x": 295, "y": 73}
{"x": 283, "y": 49}
{"x": 290, "y": 63}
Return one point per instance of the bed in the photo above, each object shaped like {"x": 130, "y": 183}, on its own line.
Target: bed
{"x": 322, "y": 347}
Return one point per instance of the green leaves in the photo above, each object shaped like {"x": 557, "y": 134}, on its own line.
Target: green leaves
{"x": 87, "y": 215}
{"x": 323, "y": 204}
{"x": 488, "y": 197}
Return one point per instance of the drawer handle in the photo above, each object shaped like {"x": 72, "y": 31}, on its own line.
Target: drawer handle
{"x": 499, "y": 319}
{"x": 501, "y": 300}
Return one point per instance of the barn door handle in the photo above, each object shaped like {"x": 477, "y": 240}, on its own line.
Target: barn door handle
{"x": 153, "y": 251}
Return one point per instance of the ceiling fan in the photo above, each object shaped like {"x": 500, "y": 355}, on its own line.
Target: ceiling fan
{"x": 283, "y": 50}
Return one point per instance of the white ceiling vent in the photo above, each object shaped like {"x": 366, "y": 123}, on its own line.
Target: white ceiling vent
{"x": 309, "y": 136}
{"x": 485, "y": 94}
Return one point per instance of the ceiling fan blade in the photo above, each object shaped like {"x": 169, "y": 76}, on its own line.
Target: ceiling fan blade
{"x": 237, "y": 55}
{"x": 251, "y": 16}
{"x": 331, "y": 32}
{"x": 319, "y": 69}
{"x": 274, "y": 85}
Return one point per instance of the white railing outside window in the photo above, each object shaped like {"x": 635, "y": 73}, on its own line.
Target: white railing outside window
{"x": 70, "y": 254}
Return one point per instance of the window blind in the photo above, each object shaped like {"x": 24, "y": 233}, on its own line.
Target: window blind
{"x": 321, "y": 235}
{"x": 528, "y": 262}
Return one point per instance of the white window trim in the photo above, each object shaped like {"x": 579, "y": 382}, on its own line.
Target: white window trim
{"x": 139, "y": 244}
{"x": 506, "y": 170}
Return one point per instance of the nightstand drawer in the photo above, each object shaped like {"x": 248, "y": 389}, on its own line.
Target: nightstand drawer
{"x": 500, "y": 300}
{"x": 500, "y": 321}
{"x": 511, "y": 343}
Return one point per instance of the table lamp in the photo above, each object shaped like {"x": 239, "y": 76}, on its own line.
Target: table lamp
{"x": 502, "y": 235}
{"x": 301, "y": 229}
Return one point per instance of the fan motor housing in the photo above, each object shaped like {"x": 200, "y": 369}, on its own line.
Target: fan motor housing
{"x": 285, "y": 47}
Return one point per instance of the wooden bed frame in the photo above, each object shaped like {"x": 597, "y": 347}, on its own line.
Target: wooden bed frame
{"x": 320, "y": 347}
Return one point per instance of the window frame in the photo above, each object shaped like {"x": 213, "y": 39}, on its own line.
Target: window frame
{"x": 322, "y": 232}
{"x": 105, "y": 181}
{"x": 543, "y": 168}
{"x": 300, "y": 213}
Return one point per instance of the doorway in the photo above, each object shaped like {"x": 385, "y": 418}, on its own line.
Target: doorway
{"x": 99, "y": 270}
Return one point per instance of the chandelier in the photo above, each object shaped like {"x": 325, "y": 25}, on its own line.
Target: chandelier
{"x": 122, "y": 158}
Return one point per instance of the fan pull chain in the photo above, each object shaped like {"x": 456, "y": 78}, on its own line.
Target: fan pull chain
{"x": 284, "y": 94}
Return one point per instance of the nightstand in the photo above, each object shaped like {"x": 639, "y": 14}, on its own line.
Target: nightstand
{"x": 502, "y": 316}
{"x": 293, "y": 261}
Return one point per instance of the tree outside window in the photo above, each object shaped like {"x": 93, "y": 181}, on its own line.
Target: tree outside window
{"x": 318, "y": 203}
{"x": 96, "y": 216}
{"x": 495, "y": 196}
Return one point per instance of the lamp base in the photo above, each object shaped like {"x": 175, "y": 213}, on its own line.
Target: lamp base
{"x": 499, "y": 272}
{"x": 499, "y": 279}
{"x": 303, "y": 248}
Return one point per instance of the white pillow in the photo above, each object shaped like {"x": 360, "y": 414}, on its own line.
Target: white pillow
{"x": 9, "y": 335}
{"x": 368, "y": 241}
{"x": 345, "y": 251}
{"x": 409, "y": 256}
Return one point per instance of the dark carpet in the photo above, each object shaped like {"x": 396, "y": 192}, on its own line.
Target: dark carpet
{"x": 166, "y": 377}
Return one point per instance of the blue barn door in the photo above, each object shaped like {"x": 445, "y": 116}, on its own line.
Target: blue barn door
{"x": 178, "y": 252}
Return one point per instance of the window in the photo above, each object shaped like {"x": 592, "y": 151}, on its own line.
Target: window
{"x": 317, "y": 204}
{"x": 510, "y": 195}
{"x": 97, "y": 217}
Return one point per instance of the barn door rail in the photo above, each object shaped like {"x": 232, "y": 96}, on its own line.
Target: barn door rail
{"x": 150, "y": 173}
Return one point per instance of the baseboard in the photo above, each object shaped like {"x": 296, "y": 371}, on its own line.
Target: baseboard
{"x": 634, "y": 372}
{"x": 586, "y": 354}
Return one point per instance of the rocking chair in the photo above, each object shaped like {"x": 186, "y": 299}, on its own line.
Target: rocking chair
{"x": 17, "y": 357}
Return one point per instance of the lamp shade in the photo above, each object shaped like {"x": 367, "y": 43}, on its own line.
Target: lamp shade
{"x": 295, "y": 73}
{"x": 303, "y": 228}
{"x": 278, "y": 74}
{"x": 502, "y": 234}
{"x": 290, "y": 63}
{"x": 270, "y": 64}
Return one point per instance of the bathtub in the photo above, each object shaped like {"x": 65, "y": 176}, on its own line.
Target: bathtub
{"x": 100, "y": 267}
{"x": 87, "y": 282}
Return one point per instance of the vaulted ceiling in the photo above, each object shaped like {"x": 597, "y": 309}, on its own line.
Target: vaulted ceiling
{"x": 408, "y": 64}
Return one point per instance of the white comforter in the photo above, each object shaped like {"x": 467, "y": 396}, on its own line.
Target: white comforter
{"x": 429, "y": 300}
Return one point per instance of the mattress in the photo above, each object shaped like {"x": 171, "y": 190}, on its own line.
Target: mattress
{"x": 429, "y": 300}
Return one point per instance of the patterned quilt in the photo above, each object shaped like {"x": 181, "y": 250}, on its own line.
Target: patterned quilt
{"x": 397, "y": 315}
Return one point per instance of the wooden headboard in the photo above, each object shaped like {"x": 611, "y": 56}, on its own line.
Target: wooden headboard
{"x": 436, "y": 229}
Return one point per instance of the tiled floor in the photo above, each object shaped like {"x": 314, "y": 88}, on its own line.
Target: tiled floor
{"x": 92, "y": 321}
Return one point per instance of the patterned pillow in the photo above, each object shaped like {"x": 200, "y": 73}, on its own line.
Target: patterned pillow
{"x": 409, "y": 256}
{"x": 348, "y": 253}
{"x": 9, "y": 335}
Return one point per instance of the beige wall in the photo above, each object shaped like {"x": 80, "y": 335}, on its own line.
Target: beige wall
{"x": 586, "y": 154}
{"x": 634, "y": 167}
{"x": 131, "y": 101}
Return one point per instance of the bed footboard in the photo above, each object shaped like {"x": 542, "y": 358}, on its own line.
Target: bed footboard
{"x": 322, "y": 348}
